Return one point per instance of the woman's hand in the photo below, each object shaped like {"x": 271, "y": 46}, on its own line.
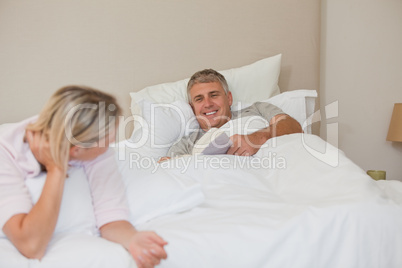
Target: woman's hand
{"x": 39, "y": 145}
{"x": 147, "y": 249}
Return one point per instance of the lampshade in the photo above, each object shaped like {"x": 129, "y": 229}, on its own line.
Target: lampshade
{"x": 395, "y": 127}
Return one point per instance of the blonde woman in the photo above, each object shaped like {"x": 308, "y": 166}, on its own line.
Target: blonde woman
{"x": 76, "y": 126}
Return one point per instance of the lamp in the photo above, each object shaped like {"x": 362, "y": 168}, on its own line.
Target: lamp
{"x": 394, "y": 134}
{"x": 395, "y": 127}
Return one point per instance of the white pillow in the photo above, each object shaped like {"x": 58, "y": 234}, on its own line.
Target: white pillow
{"x": 154, "y": 190}
{"x": 299, "y": 104}
{"x": 250, "y": 83}
{"x": 76, "y": 210}
{"x": 256, "y": 81}
{"x": 160, "y": 126}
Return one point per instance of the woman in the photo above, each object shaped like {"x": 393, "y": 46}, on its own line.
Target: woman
{"x": 76, "y": 126}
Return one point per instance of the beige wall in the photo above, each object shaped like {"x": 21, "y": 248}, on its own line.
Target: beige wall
{"x": 361, "y": 68}
{"x": 124, "y": 45}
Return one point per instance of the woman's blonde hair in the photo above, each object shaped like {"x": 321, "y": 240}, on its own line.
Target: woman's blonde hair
{"x": 76, "y": 116}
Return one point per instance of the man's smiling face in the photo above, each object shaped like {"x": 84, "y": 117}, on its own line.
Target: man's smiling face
{"x": 211, "y": 105}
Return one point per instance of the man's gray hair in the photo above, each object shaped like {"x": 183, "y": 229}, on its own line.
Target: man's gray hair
{"x": 206, "y": 76}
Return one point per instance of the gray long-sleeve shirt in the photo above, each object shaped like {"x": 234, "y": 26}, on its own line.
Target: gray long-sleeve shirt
{"x": 186, "y": 144}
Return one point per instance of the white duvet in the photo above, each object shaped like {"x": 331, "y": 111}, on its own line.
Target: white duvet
{"x": 298, "y": 203}
{"x": 304, "y": 205}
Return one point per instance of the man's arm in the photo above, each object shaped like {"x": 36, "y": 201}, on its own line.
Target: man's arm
{"x": 281, "y": 124}
{"x": 184, "y": 146}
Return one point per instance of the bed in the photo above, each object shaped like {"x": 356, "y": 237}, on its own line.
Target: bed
{"x": 299, "y": 202}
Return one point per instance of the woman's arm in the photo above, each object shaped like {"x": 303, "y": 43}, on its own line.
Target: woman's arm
{"x": 145, "y": 247}
{"x": 31, "y": 233}
{"x": 112, "y": 213}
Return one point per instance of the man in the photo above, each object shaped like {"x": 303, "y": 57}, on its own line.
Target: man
{"x": 210, "y": 99}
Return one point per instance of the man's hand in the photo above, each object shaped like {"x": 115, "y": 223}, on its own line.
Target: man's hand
{"x": 246, "y": 145}
{"x": 165, "y": 158}
{"x": 147, "y": 249}
{"x": 279, "y": 125}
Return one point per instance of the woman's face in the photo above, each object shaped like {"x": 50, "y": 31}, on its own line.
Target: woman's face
{"x": 87, "y": 154}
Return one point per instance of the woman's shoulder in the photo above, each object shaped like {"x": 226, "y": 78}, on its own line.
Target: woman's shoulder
{"x": 12, "y": 134}
{"x": 14, "y": 149}
{"x": 9, "y": 131}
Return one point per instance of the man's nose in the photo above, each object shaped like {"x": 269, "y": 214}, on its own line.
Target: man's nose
{"x": 208, "y": 102}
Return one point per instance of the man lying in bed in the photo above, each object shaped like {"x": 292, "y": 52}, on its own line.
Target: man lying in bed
{"x": 209, "y": 96}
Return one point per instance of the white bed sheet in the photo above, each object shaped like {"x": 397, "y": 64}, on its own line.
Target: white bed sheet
{"x": 307, "y": 214}
{"x": 298, "y": 203}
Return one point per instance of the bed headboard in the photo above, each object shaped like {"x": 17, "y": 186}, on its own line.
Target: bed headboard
{"x": 124, "y": 45}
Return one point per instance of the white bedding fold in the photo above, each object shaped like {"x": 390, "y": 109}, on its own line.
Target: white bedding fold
{"x": 299, "y": 212}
